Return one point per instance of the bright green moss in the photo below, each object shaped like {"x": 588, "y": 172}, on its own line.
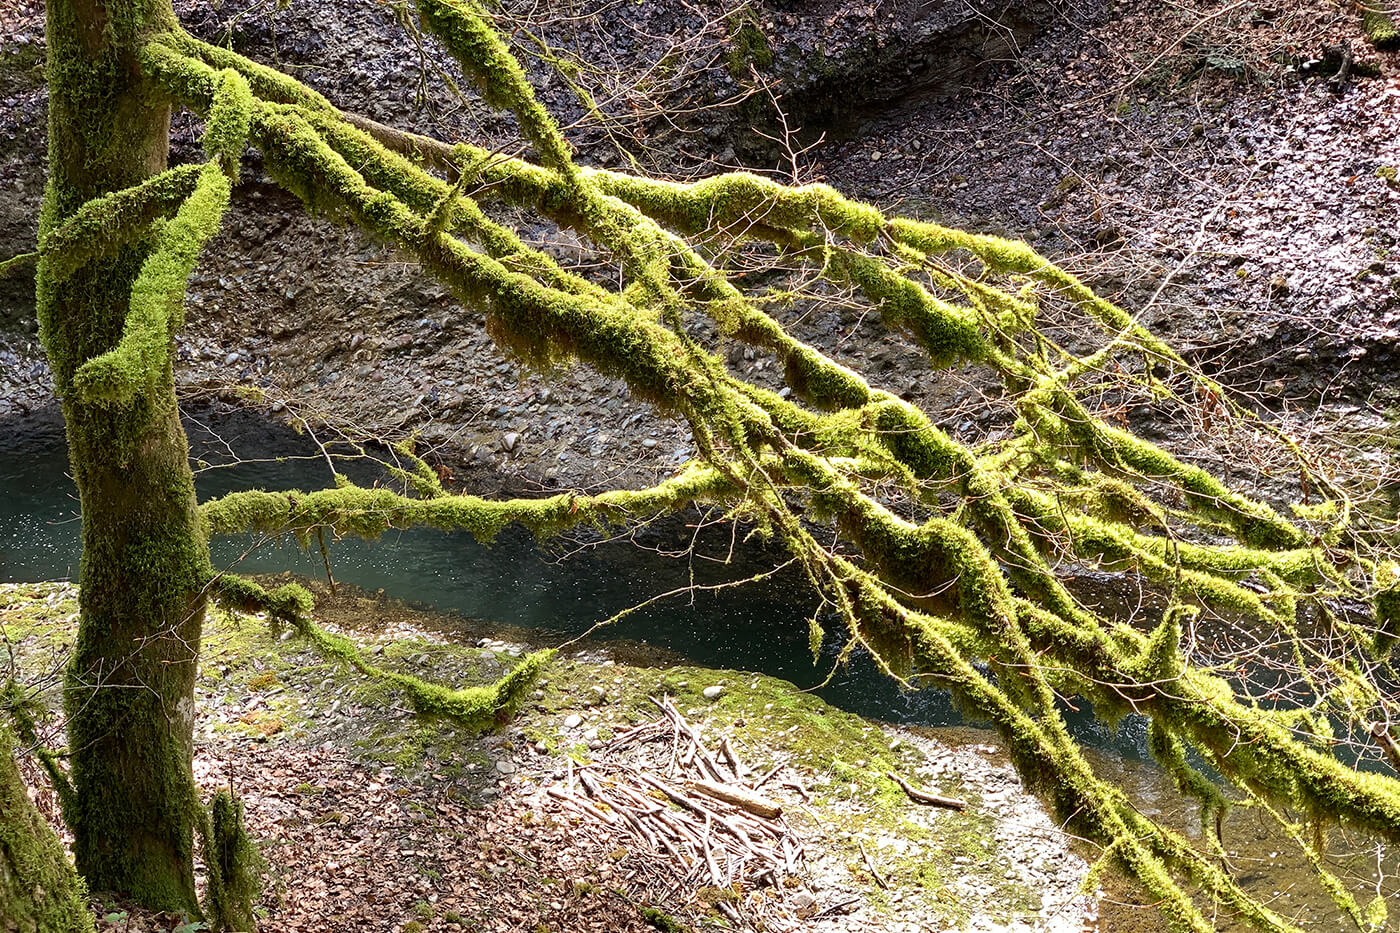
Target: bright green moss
{"x": 290, "y": 602}
{"x": 232, "y": 864}
{"x": 1161, "y": 661}
{"x": 463, "y": 27}
{"x": 141, "y": 361}
{"x": 1061, "y": 420}
{"x": 949, "y": 334}
{"x": 230, "y": 117}
{"x": 104, "y": 225}
{"x": 749, "y": 46}
{"x": 1379, "y": 25}
{"x": 742, "y": 198}
{"x": 368, "y": 513}
{"x": 662, "y": 920}
{"x": 972, "y": 578}
{"x": 266, "y": 83}
{"x": 474, "y": 707}
{"x": 924, "y": 448}
{"x": 825, "y": 384}
{"x": 477, "y": 708}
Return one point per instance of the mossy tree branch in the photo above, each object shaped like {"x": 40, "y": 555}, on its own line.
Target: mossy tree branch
{"x": 935, "y": 587}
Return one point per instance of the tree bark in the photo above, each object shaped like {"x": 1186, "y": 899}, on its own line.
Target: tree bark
{"x": 129, "y": 686}
{"x": 38, "y": 891}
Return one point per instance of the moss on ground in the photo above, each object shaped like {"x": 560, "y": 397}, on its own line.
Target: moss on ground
{"x": 38, "y": 619}
{"x": 748, "y": 45}
{"x": 261, "y": 681}
{"x": 841, "y": 758}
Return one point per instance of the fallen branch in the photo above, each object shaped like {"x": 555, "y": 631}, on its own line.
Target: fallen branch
{"x": 732, "y": 759}
{"x": 741, "y": 797}
{"x": 924, "y": 797}
{"x": 1380, "y": 731}
{"x": 704, "y": 829}
{"x": 839, "y": 907}
{"x": 870, "y": 866}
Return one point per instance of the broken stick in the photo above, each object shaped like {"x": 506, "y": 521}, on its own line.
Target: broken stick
{"x": 924, "y": 797}
{"x": 741, "y": 797}
{"x": 1380, "y": 731}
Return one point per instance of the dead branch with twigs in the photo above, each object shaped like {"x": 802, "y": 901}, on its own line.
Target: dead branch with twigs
{"x": 701, "y": 818}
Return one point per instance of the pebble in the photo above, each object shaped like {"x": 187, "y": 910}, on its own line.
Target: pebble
{"x": 573, "y": 721}
{"x": 713, "y": 692}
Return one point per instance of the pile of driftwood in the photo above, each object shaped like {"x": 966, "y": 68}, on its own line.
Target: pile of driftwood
{"x": 704, "y": 812}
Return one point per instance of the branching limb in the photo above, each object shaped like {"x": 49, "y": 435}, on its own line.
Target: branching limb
{"x": 959, "y": 553}
{"x": 369, "y": 513}
{"x": 141, "y": 360}
{"x": 476, "y": 708}
{"x": 104, "y": 225}
{"x": 16, "y": 264}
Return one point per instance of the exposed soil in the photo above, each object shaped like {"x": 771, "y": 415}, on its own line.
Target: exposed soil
{"x": 1194, "y": 163}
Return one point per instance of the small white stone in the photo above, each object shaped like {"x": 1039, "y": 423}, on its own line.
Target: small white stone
{"x": 713, "y": 692}
{"x": 573, "y": 721}
{"x": 505, "y": 766}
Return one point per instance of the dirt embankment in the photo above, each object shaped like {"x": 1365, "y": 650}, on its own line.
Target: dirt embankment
{"x": 1197, "y": 165}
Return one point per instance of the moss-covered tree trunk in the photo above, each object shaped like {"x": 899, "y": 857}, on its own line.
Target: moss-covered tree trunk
{"x": 129, "y": 691}
{"x": 38, "y": 891}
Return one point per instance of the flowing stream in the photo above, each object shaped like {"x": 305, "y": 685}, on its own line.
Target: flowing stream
{"x": 555, "y": 589}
